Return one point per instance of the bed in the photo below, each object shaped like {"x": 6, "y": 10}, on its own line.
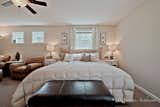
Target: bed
{"x": 119, "y": 83}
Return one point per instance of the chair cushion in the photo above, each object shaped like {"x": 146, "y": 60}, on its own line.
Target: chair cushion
{"x": 35, "y": 60}
{"x": 5, "y": 58}
{"x": 20, "y": 68}
{"x": 85, "y": 58}
{"x": 34, "y": 65}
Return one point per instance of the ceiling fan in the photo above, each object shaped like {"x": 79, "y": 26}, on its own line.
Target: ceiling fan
{"x": 24, "y": 3}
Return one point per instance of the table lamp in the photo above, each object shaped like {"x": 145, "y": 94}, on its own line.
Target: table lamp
{"x": 50, "y": 49}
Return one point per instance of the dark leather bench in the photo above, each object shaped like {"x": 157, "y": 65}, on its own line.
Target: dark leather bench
{"x": 92, "y": 93}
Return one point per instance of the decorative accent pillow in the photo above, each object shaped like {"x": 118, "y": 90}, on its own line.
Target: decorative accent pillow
{"x": 94, "y": 57}
{"x": 86, "y": 58}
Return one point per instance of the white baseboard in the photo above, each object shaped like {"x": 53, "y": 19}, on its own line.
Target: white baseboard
{"x": 148, "y": 93}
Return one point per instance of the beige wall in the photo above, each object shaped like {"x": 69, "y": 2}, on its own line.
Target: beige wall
{"x": 1, "y": 46}
{"x": 139, "y": 36}
{"x": 52, "y": 34}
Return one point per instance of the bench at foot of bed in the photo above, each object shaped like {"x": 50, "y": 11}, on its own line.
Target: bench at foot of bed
{"x": 72, "y": 93}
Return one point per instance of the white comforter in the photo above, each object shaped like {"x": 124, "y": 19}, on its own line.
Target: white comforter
{"x": 119, "y": 83}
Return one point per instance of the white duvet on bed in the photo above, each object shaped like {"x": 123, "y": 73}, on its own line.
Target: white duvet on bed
{"x": 119, "y": 83}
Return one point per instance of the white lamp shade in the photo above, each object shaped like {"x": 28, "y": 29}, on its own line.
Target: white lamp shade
{"x": 3, "y": 34}
{"x": 21, "y": 3}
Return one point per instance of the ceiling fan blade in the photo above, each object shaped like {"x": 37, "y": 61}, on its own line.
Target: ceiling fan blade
{"x": 7, "y": 4}
{"x": 38, "y": 2}
{"x": 30, "y": 9}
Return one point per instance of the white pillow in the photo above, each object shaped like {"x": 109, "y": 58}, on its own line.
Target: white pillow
{"x": 77, "y": 56}
{"x": 68, "y": 57}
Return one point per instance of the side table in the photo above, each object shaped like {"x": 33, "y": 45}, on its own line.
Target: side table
{"x": 1, "y": 75}
{"x": 6, "y": 70}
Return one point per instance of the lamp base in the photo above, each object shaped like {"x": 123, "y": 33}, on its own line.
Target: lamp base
{"x": 49, "y": 57}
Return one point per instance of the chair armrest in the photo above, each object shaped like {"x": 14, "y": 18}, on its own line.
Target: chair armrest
{"x": 15, "y": 65}
{"x": 33, "y": 66}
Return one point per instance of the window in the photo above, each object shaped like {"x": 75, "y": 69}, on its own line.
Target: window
{"x": 83, "y": 40}
{"x": 37, "y": 37}
{"x": 18, "y": 37}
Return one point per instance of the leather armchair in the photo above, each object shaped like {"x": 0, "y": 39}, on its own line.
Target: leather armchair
{"x": 3, "y": 60}
{"x": 20, "y": 70}
{"x": 34, "y": 63}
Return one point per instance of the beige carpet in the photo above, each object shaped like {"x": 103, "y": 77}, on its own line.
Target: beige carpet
{"x": 7, "y": 88}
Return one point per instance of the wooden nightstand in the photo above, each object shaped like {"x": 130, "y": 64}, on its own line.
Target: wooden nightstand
{"x": 50, "y": 61}
{"x": 113, "y": 62}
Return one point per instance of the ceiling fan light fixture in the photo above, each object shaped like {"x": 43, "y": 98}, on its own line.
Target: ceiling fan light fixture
{"x": 24, "y": 3}
{"x": 20, "y": 3}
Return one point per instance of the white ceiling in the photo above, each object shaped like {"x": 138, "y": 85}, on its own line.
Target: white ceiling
{"x": 62, "y": 12}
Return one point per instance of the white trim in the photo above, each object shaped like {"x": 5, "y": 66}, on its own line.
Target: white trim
{"x": 148, "y": 93}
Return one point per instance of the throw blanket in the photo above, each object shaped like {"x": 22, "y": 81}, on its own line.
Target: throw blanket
{"x": 119, "y": 83}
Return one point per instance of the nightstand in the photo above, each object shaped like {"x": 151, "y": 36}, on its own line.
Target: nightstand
{"x": 113, "y": 62}
{"x": 50, "y": 61}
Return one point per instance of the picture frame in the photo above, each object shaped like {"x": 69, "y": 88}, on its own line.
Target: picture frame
{"x": 102, "y": 38}
{"x": 64, "y": 38}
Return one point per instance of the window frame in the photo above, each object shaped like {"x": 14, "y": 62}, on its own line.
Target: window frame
{"x": 15, "y": 39}
{"x": 91, "y": 47}
{"x": 38, "y": 42}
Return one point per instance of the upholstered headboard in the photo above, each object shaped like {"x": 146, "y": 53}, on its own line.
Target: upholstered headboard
{"x": 64, "y": 51}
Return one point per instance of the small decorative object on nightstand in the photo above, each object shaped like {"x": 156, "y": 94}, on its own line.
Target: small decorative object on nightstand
{"x": 113, "y": 62}
{"x": 50, "y": 61}
{"x": 17, "y": 57}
